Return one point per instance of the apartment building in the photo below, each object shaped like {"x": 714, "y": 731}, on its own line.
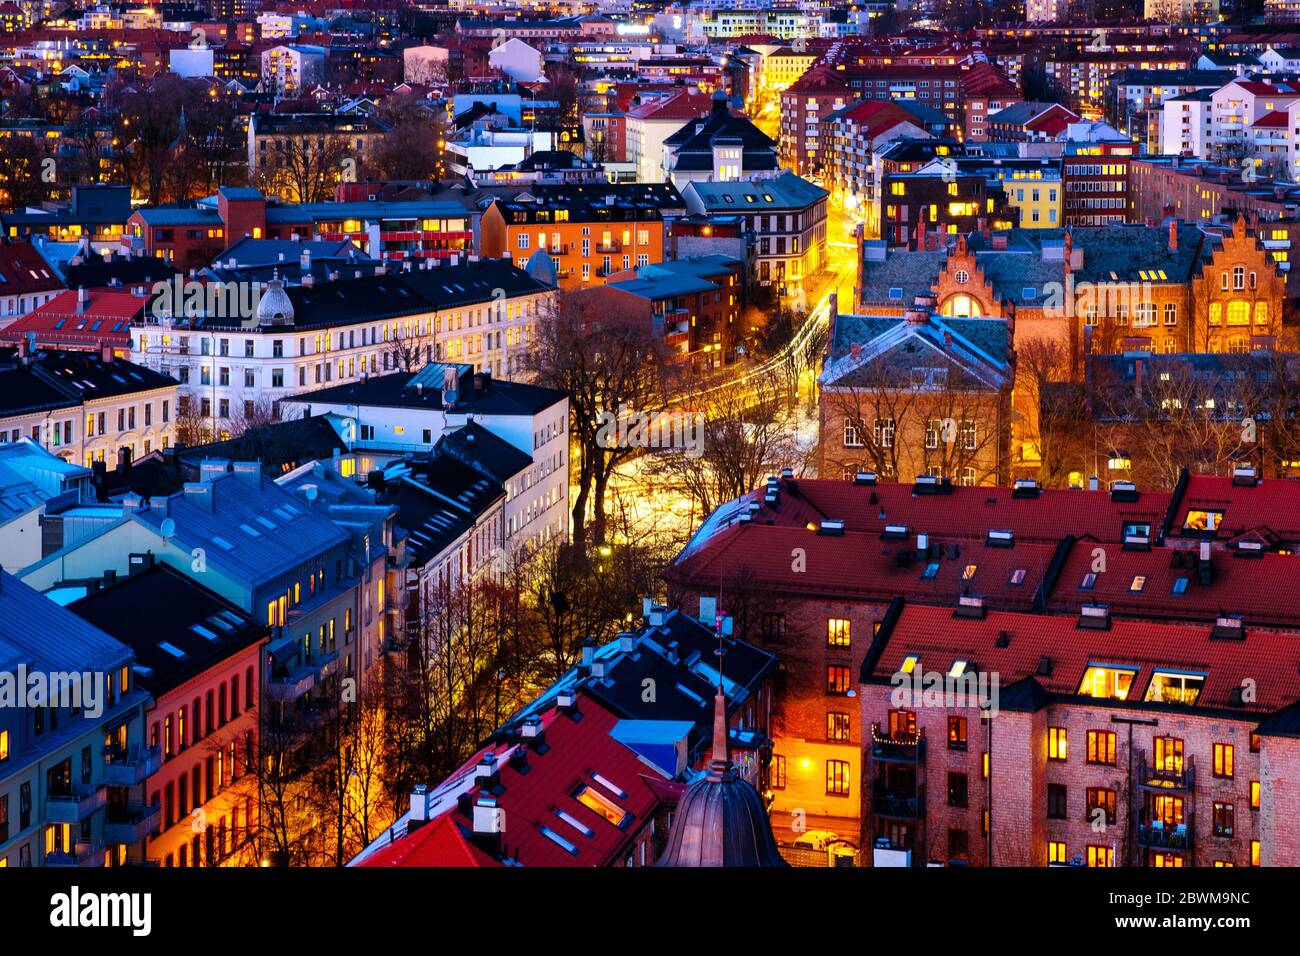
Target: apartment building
{"x": 291, "y": 71}
{"x": 587, "y": 232}
{"x": 785, "y": 217}
{"x": 719, "y": 147}
{"x": 33, "y": 479}
{"x": 1154, "y": 759}
{"x": 312, "y": 336}
{"x": 389, "y": 416}
{"x": 85, "y": 407}
{"x": 650, "y": 122}
{"x": 72, "y": 768}
{"x": 200, "y": 659}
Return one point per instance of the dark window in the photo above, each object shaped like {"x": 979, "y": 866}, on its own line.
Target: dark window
{"x": 956, "y": 789}
{"x": 1223, "y": 819}
{"x": 1055, "y": 801}
{"x": 959, "y": 846}
{"x": 777, "y": 772}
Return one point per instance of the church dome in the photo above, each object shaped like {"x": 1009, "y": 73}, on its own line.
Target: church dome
{"x": 721, "y": 819}
{"x": 274, "y": 307}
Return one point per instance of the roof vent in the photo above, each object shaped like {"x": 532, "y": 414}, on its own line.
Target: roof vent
{"x": 1228, "y": 627}
{"x": 1004, "y": 639}
{"x": 932, "y": 485}
{"x": 487, "y": 768}
{"x": 1025, "y": 488}
{"x": 1044, "y": 668}
{"x": 565, "y": 701}
{"x": 832, "y": 526}
{"x": 1000, "y": 539}
{"x": 1245, "y": 476}
{"x": 787, "y": 472}
{"x": 1094, "y": 617}
{"x": 970, "y": 605}
{"x": 864, "y": 478}
{"x": 1250, "y": 549}
{"x": 894, "y": 532}
{"x": 1123, "y": 491}
{"x": 1137, "y": 541}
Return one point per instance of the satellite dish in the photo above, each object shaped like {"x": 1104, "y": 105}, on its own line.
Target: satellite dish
{"x": 312, "y": 492}
{"x": 168, "y": 527}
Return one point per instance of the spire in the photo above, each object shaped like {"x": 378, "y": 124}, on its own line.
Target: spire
{"x": 721, "y": 759}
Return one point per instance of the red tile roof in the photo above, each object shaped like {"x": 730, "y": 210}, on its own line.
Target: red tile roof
{"x": 1273, "y": 120}
{"x": 688, "y": 104}
{"x": 576, "y": 750}
{"x": 939, "y": 638}
{"x": 1270, "y": 507}
{"x": 23, "y": 270}
{"x": 1262, "y": 588}
{"x": 58, "y": 323}
{"x": 966, "y": 512}
{"x": 860, "y": 565}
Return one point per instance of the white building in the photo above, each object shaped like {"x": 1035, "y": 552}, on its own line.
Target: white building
{"x": 317, "y": 335}
{"x": 525, "y": 445}
{"x": 1185, "y": 125}
{"x": 517, "y": 60}
{"x": 289, "y": 71}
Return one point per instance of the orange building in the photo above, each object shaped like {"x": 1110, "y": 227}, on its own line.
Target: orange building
{"x": 589, "y": 235}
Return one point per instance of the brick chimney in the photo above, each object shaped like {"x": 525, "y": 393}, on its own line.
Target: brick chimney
{"x": 1173, "y": 235}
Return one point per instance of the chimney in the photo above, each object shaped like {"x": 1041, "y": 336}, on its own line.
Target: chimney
{"x": 106, "y": 353}
{"x": 304, "y": 260}
{"x": 419, "y": 808}
{"x": 1205, "y": 566}
{"x": 1092, "y": 483}
{"x": 83, "y": 300}
{"x": 489, "y": 824}
{"x": 1137, "y": 378}
{"x": 1094, "y": 617}
{"x": 1173, "y": 235}
{"x": 199, "y": 494}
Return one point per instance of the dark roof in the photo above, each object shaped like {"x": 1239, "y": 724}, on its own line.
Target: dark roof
{"x": 398, "y": 391}
{"x": 436, "y": 501}
{"x": 203, "y": 628}
{"x": 279, "y": 446}
{"x": 95, "y": 271}
{"x": 483, "y": 451}
{"x": 58, "y": 379}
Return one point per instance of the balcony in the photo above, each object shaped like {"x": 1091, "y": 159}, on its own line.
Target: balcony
{"x": 1173, "y": 775}
{"x": 126, "y": 768}
{"x": 75, "y": 805}
{"x": 83, "y": 854}
{"x": 900, "y": 747}
{"x": 888, "y": 802}
{"x": 131, "y": 824}
{"x": 613, "y": 245}
{"x": 1156, "y": 837}
{"x": 292, "y": 685}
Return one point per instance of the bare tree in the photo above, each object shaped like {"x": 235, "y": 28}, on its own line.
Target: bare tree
{"x": 302, "y": 168}
{"x": 607, "y": 360}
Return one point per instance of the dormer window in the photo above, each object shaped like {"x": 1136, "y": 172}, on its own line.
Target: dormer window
{"x": 1175, "y": 687}
{"x": 1106, "y": 682}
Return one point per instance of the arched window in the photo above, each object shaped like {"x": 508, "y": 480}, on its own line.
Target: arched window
{"x": 1239, "y": 313}
{"x": 961, "y": 307}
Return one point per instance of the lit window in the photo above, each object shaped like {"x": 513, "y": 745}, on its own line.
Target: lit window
{"x": 1112, "y": 683}
{"x": 1223, "y": 760}
{"x": 1088, "y": 581}
{"x": 1057, "y": 744}
{"x": 1055, "y": 851}
{"x": 969, "y": 572}
{"x": 1174, "y": 687}
{"x": 1017, "y": 576}
{"x": 837, "y": 632}
{"x": 909, "y": 663}
{"x": 594, "y": 800}
{"x": 1139, "y": 582}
